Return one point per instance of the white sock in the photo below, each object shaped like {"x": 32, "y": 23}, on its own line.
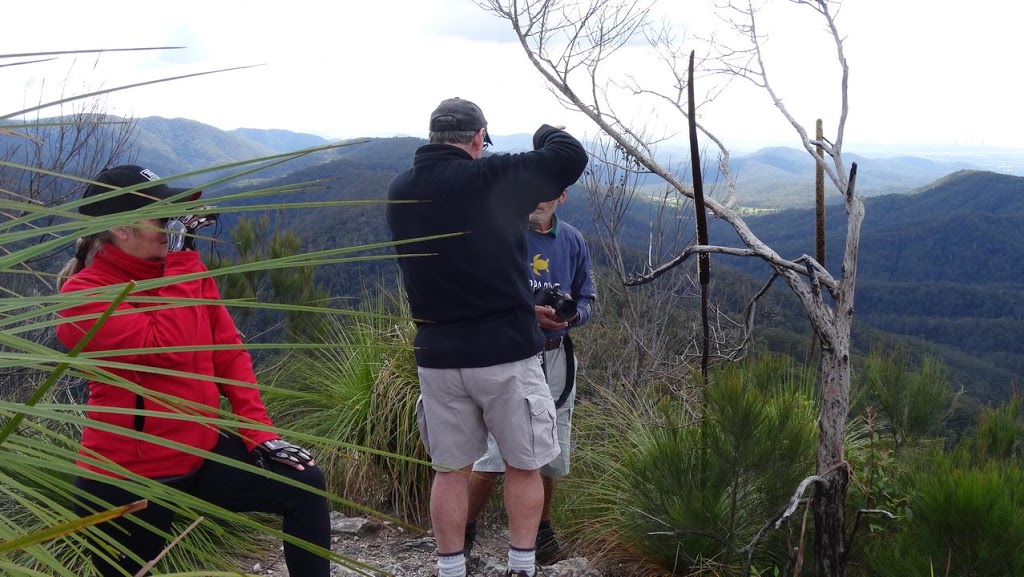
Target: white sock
{"x": 522, "y": 560}
{"x": 453, "y": 565}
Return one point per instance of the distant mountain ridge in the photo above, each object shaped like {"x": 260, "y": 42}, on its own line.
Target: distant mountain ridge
{"x": 966, "y": 221}
{"x": 782, "y": 177}
{"x": 770, "y": 178}
{"x": 939, "y": 265}
{"x": 875, "y": 176}
{"x": 173, "y": 146}
{"x": 280, "y": 140}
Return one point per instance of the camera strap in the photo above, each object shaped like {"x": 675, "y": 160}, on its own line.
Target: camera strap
{"x": 570, "y": 371}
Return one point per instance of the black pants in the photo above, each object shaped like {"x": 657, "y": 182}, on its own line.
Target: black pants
{"x": 305, "y": 514}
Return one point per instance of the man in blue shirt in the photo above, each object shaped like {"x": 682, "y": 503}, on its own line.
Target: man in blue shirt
{"x": 557, "y": 258}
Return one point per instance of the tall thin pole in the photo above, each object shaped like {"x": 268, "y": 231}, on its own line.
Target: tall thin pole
{"x": 703, "y": 259}
{"x": 819, "y": 200}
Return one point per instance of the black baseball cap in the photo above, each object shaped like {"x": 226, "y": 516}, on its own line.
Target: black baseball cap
{"x": 458, "y": 115}
{"x": 124, "y": 176}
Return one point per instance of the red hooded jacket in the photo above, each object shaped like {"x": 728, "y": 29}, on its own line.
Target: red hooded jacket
{"x": 148, "y": 326}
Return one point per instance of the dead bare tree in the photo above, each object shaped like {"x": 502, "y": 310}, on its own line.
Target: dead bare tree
{"x": 80, "y": 140}
{"x": 574, "y": 45}
{"x": 656, "y": 341}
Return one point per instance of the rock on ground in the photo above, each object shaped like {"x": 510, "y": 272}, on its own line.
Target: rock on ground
{"x": 390, "y": 550}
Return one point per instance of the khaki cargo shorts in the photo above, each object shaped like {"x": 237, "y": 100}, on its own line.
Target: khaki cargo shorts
{"x": 554, "y": 364}
{"x": 457, "y": 408}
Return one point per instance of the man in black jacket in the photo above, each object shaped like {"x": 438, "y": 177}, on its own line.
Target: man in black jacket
{"x": 477, "y": 339}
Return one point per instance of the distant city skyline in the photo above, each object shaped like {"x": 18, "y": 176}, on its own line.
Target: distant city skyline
{"x": 923, "y": 74}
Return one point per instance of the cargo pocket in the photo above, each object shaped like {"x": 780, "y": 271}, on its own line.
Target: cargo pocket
{"x": 542, "y": 424}
{"x": 421, "y": 422}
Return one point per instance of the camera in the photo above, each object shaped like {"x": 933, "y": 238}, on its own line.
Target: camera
{"x": 181, "y": 230}
{"x": 552, "y": 296}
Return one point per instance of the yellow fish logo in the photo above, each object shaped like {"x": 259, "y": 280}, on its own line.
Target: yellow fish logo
{"x": 539, "y": 264}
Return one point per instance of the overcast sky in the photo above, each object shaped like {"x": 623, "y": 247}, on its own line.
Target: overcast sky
{"x": 923, "y": 72}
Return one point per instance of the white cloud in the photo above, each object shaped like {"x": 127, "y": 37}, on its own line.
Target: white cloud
{"x": 466, "y": 20}
{"x": 919, "y": 74}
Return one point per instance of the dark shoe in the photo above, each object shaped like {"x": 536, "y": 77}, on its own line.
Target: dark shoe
{"x": 521, "y": 573}
{"x": 547, "y": 546}
{"x": 470, "y": 539}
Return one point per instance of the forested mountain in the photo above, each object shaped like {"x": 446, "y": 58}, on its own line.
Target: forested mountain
{"x": 780, "y": 177}
{"x": 166, "y": 146}
{"x": 173, "y": 146}
{"x": 341, "y": 179}
{"x": 938, "y": 266}
{"x": 960, "y": 229}
{"x": 784, "y": 177}
{"x": 770, "y": 178}
{"x": 279, "y": 140}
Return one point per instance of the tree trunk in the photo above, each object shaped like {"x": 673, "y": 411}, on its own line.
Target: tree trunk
{"x": 830, "y": 496}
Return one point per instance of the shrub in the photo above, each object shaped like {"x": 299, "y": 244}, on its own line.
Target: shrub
{"x": 910, "y": 403}
{"x": 687, "y": 490}
{"x": 965, "y": 508}
{"x": 359, "y": 390}
{"x": 967, "y": 520}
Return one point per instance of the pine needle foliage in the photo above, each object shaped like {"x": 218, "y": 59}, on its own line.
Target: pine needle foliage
{"x": 899, "y": 409}
{"x": 687, "y": 491}
{"x": 965, "y": 506}
{"x": 1000, "y": 433}
{"x": 360, "y": 389}
{"x": 968, "y": 520}
{"x": 911, "y": 403}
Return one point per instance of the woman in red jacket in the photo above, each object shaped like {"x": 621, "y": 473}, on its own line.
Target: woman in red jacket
{"x": 139, "y": 252}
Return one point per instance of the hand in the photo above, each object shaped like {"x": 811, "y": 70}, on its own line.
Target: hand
{"x": 283, "y": 452}
{"x": 548, "y": 319}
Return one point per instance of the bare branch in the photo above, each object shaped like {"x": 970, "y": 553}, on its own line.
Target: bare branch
{"x": 152, "y": 562}
{"x": 794, "y": 502}
{"x": 805, "y": 265}
{"x": 748, "y": 317}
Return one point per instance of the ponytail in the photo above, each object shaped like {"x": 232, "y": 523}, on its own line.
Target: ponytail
{"x": 85, "y": 249}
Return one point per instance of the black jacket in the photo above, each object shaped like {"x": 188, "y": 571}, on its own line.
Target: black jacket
{"x": 470, "y": 294}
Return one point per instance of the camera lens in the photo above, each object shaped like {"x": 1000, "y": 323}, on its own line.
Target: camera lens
{"x": 565, "y": 308}
{"x": 175, "y": 235}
